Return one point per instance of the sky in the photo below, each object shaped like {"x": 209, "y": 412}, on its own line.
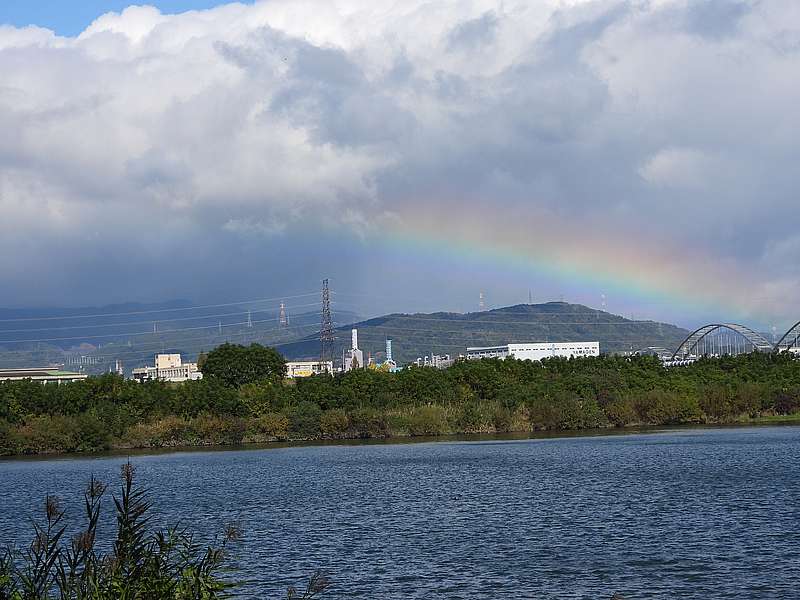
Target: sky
{"x": 638, "y": 155}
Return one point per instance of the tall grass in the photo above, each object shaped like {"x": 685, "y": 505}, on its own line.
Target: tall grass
{"x": 141, "y": 564}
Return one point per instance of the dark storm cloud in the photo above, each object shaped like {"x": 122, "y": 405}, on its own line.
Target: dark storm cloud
{"x": 234, "y": 135}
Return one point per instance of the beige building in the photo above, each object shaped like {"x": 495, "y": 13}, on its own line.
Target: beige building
{"x": 307, "y": 368}
{"x": 168, "y": 367}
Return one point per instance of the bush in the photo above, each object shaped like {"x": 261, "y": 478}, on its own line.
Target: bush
{"x": 304, "y": 421}
{"x": 270, "y": 426}
{"x": 428, "y": 420}
{"x": 169, "y": 431}
{"x": 398, "y": 425}
{"x": 502, "y": 419}
{"x": 334, "y": 423}
{"x": 214, "y": 429}
{"x": 369, "y": 423}
{"x": 471, "y": 419}
{"x": 621, "y": 412}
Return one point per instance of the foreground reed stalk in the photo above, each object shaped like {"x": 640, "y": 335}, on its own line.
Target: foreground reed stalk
{"x": 165, "y": 564}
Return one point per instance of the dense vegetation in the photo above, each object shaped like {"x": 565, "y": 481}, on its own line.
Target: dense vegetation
{"x": 480, "y": 396}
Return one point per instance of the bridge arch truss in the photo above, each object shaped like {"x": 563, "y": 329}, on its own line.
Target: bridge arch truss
{"x": 790, "y": 339}
{"x": 730, "y": 338}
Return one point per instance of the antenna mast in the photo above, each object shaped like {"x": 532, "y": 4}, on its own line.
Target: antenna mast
{"x": 282, "y": 319}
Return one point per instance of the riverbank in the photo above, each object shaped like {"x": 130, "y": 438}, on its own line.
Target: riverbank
{"x": 195, "y": 445}
{"x": 472, "y": 397}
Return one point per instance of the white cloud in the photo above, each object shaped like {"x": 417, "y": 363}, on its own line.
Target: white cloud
{"x": 256, "y": 118}
{"x": 681, "y": 168}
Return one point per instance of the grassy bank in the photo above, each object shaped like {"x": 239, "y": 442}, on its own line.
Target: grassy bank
{"x": 474, "y": 397}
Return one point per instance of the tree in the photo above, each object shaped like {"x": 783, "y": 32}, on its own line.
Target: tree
{"x": 235, "y": 365}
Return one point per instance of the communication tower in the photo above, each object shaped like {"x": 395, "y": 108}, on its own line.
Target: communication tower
{"x": 481, "y": 302}
{"x": 326, "y": 337}
{"x": 283, "y": 320}
{"x": 249, "y": 320}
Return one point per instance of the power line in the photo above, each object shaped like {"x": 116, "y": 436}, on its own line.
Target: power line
{"x": 163, "y": 320}
{"x": 154, "y": 311}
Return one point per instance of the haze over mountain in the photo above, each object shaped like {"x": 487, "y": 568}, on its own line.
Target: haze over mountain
{"x": 416, "y": 335}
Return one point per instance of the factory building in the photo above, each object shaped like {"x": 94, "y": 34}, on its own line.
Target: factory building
{"x": 536, "y": 351}
{"x": 42, "y": 375}
{"x": 437, "y": 361}
{"x": 307, "y": 368}
{"x": 168, "y": 367}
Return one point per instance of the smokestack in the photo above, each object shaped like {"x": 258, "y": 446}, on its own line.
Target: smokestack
{"x": 355, "y": 339}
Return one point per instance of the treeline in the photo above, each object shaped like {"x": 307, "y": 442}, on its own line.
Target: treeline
{"x": 243, "y": 398}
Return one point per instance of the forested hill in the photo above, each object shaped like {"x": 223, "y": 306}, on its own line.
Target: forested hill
{"x": 421, "y": 334}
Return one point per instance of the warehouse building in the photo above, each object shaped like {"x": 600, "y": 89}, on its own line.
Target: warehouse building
{"x": 536, "y": 351}
{"x": 42, "y": 375}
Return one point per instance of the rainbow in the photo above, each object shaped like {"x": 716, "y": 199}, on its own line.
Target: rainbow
{"x": 638, "y": 267}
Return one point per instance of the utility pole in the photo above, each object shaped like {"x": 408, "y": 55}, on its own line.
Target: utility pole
{"x": 326, "y": 336}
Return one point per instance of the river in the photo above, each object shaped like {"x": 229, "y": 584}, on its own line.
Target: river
{"x": 691, "y": 513}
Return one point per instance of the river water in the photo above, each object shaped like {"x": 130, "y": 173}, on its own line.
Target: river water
{"x": 696, "y": 513}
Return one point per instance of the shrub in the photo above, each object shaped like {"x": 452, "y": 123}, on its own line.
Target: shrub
{"x": 428, "y": 420}
{"x": 169, "y": 431}
{"x": 334, "y": 423}
{"x": 398, "y": 424}
{"x": 621, "y": 412}
{"x": 369, "y": 423}
{"x": 502, "y": 419}
{"x": 270, "y": 426}
{"x": 304, "y": 420}
{"x": 471, "y": 419}
{"x": 214, "y": 429}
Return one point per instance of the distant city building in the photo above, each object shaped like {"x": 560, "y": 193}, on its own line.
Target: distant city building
{"x": 52, "y": 374}
{"x": 436, "y": 361}
{"x": 353, "y": 358}
{"x": 168, "y": 367}
{"x": 536, "y": 351}
{"x": 307, "y": 368}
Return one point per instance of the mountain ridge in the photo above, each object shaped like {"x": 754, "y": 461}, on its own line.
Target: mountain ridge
{"x": 420, "y": 334}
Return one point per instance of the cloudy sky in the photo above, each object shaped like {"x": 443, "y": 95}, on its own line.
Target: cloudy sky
{"x": 415, "y": 152}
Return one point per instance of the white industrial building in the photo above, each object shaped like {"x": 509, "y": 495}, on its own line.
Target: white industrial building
{"x": 353, "y": 358}
{"x": 168, "y": 367}
{"x": 307, "y": 368}
{"x": 536, "y": 351}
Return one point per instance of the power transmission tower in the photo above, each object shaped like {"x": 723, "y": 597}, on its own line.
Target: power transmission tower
{"x": 326, "y": 337}
{"x": 481, "y": 302}
{"x": 249, "y": 320}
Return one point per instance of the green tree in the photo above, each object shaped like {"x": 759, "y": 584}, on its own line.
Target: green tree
{"x": 236, "y": 365}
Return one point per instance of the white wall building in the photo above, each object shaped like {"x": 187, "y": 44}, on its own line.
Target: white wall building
{"x": 169, "y": 367}
{"x": 536, "y": 351}
{"x": 354, "y": 358}
{"x": 307, "y": 368}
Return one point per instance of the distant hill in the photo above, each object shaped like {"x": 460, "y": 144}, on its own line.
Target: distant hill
{"x": 421, "y": 334}
{"x": 93, "y": 338}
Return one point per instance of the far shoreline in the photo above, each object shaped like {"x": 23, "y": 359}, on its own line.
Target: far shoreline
{"x": 785, "y": 421}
